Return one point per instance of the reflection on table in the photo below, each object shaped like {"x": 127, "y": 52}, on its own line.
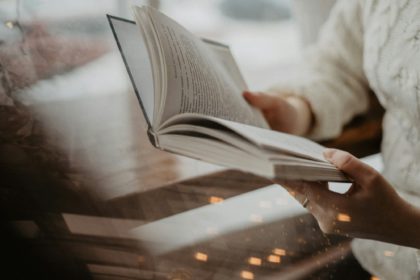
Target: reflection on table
{"x": 85, "y": 196}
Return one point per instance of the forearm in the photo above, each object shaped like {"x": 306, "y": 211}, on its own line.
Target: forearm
{"x": 403, "y": 226}
{"x": 332, "y": 77}
{"x": 304, "y": 115}
{"x": 410, "y": 227}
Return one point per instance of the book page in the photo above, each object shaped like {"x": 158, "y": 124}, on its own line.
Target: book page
{"x": 275, "y": 140}
{"x": 248, "y": 148}
{"x": 226, "y": 59}
{"x": 197, "y": 81}
{"x": 136, "y": 59}
{"x": 272, "y": 141}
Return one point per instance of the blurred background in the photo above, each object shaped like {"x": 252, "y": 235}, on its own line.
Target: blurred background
{"x": 83, "y": 195}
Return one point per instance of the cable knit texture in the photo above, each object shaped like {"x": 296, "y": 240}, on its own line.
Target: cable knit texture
{"x": 372, "y": 45}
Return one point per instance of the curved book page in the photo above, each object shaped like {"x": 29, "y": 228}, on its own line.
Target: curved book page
{"x": 199, "y": 79}
{"x": 136, "y": 59}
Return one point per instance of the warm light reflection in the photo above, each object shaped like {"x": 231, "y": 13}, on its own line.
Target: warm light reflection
{"x": 280, "y": 252}
{"x": 388, "y": 253}
{"x": 255, "y": 261}
{"x": 273, "y": 259}
{"x": 343, "y": 217}
{"x": 374, "y": 278}
{"x": 201, "y": 257}
{"x": 215, "y": 199}
{"x": 9, "y": 24}
{"x": 256, "y": 218}
{"x": 247, "y": 274}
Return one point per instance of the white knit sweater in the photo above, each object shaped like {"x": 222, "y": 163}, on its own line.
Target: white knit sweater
{"x": 372, "y": 44}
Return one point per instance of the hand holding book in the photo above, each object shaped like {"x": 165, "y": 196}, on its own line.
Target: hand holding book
{"x": 283, "y": 112}
{"x": 190, "y": 92}
{"x": 370, "y": 209}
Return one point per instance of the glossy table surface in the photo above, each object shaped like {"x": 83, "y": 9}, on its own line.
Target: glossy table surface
{"x": 85, "y": 196}
{"x": 86, "y": 191}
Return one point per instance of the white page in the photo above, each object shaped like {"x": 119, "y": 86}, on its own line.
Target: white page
{"x": 196, "y": 80}
{"x": 223, "y": 53}
{"x": 277, "y": 140}
{"x": 137, "y": 61}
{"x": 265, "y": 138}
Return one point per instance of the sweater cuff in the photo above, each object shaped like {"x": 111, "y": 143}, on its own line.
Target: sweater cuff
{"x": 327, "y": 117}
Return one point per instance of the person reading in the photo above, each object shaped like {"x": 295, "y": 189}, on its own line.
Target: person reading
{"x": 189, "y": 90}
{"x": 365, "y": 45}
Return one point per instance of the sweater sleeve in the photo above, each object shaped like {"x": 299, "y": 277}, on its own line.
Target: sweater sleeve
{"x": 418, "y": 264}
{"x": 332, "y": 77}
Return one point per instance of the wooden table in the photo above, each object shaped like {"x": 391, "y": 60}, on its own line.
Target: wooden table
{"x": 74, "y": 189}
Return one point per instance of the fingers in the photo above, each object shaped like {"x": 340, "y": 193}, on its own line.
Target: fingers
{"x": 295, "y": 189}
{"x": 320, "y": 195}
{"x": 261, "y": 100}
{"x": 296, "y": 186}
{"x": 317, "y": 192}
{"x": 360, "y": 172}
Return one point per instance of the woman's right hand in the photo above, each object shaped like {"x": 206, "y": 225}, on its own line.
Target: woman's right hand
{"x": 290, "y": 114}
{"x": 370, "y": 209}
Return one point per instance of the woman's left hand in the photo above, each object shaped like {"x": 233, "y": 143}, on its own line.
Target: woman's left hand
{"x": 370, "y": 209}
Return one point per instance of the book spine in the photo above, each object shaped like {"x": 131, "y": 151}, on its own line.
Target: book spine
{"x": 153, "y": 138}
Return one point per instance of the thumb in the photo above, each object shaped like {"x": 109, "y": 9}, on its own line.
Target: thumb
{"x": 261, "y": 100}
{"x": 360, "y": 172}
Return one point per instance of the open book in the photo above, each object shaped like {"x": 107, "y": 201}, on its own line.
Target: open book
{"x": 190, "y": 91}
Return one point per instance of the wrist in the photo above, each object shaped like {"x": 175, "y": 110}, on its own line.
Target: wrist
{"x": 304, "y": 115}
{"x": 411, "y": 222}
{"x": 403, "y": 225}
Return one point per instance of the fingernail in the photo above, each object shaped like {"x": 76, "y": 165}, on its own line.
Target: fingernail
{"x": 329, "y": 153}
